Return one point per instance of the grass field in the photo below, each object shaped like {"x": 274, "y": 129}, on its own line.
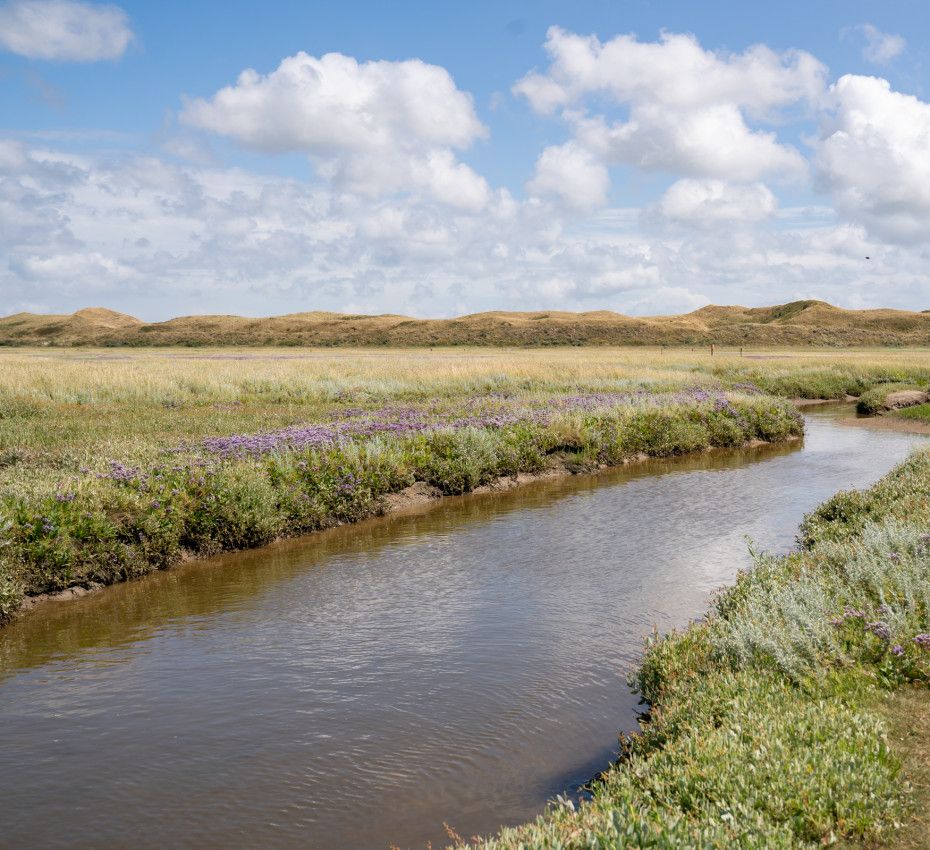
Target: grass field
{"x": 61, "y": 410}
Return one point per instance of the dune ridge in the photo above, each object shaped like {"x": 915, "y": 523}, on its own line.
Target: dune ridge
{"x": 796, "y": 323}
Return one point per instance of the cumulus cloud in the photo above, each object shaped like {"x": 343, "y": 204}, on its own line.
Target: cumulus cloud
{"x": 880, "y": 47}
{"x": 675, "y": 72}
{"x": 689, "y": 109}
{"x": 397, "y": 222}
{"x": 372, "y": 128}
{"x": 711, "y": 142}
{"x": 572, "y": 174}
{"x": 872, "y": 158}
{"x": 64, "y": 30}
{"x": 710, "y": 203}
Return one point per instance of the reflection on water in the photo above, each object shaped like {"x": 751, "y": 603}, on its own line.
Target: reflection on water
{"x": 361, "y": 686}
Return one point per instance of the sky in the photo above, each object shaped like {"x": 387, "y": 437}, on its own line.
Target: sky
{"x": 443, "y": 158}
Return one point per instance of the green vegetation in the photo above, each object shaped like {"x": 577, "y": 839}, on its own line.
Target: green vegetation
{"x": 876, "y": 400}
{"x": 918, "y": 413}
{"x": 768, "y": 724}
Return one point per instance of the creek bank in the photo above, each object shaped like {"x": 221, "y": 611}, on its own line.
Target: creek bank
{"x": 412, "y": 498}
{"x": 812, "y": 402}
{"x": 106, "y": 527}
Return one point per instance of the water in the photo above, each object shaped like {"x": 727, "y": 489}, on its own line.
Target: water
{"x": 359, "y": 687}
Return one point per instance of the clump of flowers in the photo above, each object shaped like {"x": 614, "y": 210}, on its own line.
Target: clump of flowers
{"x": 492, "y": 411}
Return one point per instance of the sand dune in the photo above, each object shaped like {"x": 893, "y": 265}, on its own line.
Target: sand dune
{"x": 797, "y": 323}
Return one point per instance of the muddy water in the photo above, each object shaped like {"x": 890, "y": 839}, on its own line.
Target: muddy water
{"x": 358, "y": 688}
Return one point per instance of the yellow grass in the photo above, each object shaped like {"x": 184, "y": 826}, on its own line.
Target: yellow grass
{"x": 87, "y": 376}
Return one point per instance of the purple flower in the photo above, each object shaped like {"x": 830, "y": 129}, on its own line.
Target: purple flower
{"x": 922, "y": 640}
{"x": 121, "y": 472}
{"x": 491, "y": 411}
{"x": 897, "y": 649}
{"x": 879, "y": 629}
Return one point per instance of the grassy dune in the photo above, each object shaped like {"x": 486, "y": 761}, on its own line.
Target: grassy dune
{"x": 770, "y": 719}
{"x": 798, "y": 323}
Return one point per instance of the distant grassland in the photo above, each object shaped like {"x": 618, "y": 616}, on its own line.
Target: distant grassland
{"x": 117, "y": 462}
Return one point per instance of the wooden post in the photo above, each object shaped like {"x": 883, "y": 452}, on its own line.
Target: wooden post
{"x": 741, "y": 351}
{"x": 711, "y": 349}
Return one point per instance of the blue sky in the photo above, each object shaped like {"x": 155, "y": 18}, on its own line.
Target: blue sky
{"x": 640, "y": 156}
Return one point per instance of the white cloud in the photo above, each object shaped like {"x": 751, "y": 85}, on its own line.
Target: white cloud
{"x": 873, "y": 158}
{"x": 710, "y": 142}
{"x": 880, "y": 47}
{"x": 80, "y": 271}
{"x": 710, "y": 203}
{"x": 161, "y": 238}
{"x": 372, "y": 128}
{"x": 64, "y": 30}
{"x": 571, "y": 173}
{"x": 675, "y": 72}
{"x": 688, "y": 109}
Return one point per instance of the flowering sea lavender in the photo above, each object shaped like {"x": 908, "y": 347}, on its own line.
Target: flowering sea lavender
{"x": 121, "y": 472}
{"x": 293, "y": 438}
{"x": 922, "y": 640}
{"x": 880, "y": 629}
{"x": 484, "y": 412}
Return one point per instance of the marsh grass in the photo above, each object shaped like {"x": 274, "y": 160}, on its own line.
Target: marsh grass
{"x": 875, "y": 400}
{"x": 918, "y": 413}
